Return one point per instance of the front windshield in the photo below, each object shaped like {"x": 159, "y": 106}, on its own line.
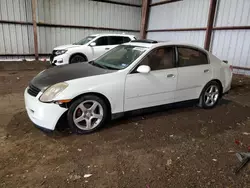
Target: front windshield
{"x": 84, "y": 41}
{"x": 120, "y": 57}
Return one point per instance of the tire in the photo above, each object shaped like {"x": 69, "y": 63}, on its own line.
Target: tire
{"x": 82, "y": 119}
{"x": 77, "y": 58}
{"x": 210, "y": 95}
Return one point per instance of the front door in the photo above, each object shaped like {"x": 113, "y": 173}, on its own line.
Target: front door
{"x": 194, "y": 72}
{"x": 156, "y": 87}
{"x": 101, "y": 47}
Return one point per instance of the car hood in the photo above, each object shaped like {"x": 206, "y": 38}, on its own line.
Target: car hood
{"x": 67, "y": 46}
{"x": 58, "y": 74}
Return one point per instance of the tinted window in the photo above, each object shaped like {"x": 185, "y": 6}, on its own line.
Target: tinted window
{"x": 160, "y": 58}
{"x": 115, "y": 40}
{"x": 102, "y": 41}
{"x": 126, "y": 39}
{"x": 191, "y": 57}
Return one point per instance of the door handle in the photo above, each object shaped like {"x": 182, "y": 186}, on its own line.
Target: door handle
{"x": 206, "y": 70}
{"x": 170, "y": 76}
{"x": 106, "y": 48}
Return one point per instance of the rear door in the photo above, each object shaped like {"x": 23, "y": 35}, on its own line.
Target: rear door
{"x": 104, "y": 44}
{"x": 116, "y": 40}
{"x": 194, "y": 72}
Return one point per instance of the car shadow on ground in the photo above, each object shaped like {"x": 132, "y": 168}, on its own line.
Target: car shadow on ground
{"x": 21, "y": 123}
{"x": 137, "y": 115}
{"x": 159, "y": 111}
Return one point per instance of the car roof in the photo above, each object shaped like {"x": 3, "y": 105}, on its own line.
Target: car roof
{"x": 167, "y": 43}
{"x": 111, "y": 34}
{"x": 140, "y": 44}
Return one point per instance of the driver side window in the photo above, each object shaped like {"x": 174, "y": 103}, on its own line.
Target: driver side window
{"x": 102, "y": 41}
{"x": 160, "y": 58}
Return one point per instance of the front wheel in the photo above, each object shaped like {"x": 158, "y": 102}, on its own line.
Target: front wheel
{"x": 87, "y": 114}
{"x": 210, "y": 95}
{"x": 77, "y": 59}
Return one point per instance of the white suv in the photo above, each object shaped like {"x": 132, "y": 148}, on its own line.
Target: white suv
{"x": 88, "y": 48}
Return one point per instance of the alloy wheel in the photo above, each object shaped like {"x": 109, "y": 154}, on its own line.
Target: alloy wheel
{"x": 211, "y": 95}
{"x": 88, "y": 115}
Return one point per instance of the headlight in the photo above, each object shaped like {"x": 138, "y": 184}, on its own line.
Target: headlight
{"x": 53, "y": 91}
{"x": 60, "y": 52}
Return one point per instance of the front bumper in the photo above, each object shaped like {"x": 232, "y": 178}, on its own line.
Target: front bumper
{"x": 59, "y": 60}
{"x": 43, "y": 115}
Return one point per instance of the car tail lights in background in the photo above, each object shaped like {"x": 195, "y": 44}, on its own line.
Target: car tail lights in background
{"x": 231, "y": 68}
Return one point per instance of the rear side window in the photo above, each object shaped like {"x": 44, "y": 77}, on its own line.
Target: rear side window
{"x": 191, "y": 57}
{"x": 126, "y": 39}
{"x": 102, "y": 41}
{"x": 115, "y": 40}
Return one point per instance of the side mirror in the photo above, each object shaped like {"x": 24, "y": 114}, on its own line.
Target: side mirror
{"x": 143, "y": 69}
{"x": 92, "y": 44}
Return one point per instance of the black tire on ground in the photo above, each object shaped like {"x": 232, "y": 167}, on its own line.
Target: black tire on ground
{"x": 74, "y": 109}
{"x": 77, "y": 58}
{"x": 208, "y": 99}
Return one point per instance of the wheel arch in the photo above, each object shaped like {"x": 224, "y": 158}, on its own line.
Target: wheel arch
{"x": 103, "y": 97}
{"x": 78, "y": 53}
{"x": 214, "y": 80}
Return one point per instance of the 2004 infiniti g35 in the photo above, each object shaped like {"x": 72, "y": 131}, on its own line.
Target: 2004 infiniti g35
{"x": 132, "y": 76}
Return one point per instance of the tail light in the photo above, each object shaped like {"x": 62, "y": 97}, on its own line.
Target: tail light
{"x": 231, "y": 68}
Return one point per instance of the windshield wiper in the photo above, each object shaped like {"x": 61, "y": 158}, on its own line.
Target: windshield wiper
{"x": 102, "y": 66}
{"x": 112, "y": 68}
{"x": 98, "y": 65}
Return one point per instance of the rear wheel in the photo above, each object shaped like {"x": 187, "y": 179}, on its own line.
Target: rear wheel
{"x": 210, "y": 95}
{"x": 77, "y": 59}
{"x": 87, "y": 114}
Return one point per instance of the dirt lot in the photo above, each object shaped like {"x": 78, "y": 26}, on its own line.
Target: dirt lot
{"x": 177, "y": 147}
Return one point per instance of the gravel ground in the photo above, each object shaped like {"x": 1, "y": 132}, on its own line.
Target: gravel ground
{"x": 182, "y": 146}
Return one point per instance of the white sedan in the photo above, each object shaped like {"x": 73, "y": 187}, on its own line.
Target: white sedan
{"x": 132, "y": 76}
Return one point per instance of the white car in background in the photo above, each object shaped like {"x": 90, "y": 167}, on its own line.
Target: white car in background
{"x": 132, "y": 76}
{"x": 88, "y": 48}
